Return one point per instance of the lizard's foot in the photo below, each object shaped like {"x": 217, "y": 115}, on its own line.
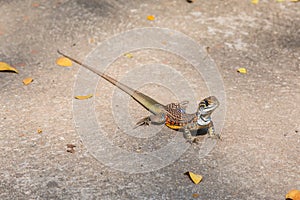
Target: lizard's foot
{"x": 196, "y": 140}
{"x": 145, "y": 121}
{"x": 190, "y": 138}
{"x": 215, "y": 136}
{"x": 212, "y": 133}
{"x": 193, "y": 140}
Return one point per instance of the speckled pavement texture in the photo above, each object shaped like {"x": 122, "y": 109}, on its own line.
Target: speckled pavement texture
{"x": 258, "y": 156}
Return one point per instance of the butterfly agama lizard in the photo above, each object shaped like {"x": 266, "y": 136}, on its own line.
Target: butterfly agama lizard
{"x": 173, "y": 115}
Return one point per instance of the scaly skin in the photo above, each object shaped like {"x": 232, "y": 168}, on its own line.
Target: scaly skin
{"x": 172, "y": 115}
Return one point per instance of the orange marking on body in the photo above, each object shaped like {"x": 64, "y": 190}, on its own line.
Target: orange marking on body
{"x": 173, "y": 126}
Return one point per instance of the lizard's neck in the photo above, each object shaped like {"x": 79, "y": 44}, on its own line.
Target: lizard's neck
{"x": 203, "y": 119}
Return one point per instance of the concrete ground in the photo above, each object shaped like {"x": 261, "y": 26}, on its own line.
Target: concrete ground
{"x": 258, "y": 156}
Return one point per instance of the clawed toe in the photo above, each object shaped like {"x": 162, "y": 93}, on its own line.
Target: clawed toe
{"x": 194, "y": 140}
{"x": 143, "y": 122}
{"x": 215, "y": 137}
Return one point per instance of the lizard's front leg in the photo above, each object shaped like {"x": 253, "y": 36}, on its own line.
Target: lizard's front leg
{"x": 188, "y": 136}
{"x": 211, "y": 131}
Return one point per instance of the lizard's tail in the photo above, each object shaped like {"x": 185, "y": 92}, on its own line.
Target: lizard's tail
{"x": 146, "y": 101}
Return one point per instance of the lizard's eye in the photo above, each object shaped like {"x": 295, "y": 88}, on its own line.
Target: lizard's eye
{"x": 206, "y": 102}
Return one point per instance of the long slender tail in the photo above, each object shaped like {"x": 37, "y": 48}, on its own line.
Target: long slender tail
{"x": 146, "y": 101}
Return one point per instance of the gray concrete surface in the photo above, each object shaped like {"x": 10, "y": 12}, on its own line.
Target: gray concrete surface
{"x": 258, "y": 157}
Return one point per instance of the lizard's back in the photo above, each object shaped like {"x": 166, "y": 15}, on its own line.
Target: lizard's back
{"x": 176, "y": 117}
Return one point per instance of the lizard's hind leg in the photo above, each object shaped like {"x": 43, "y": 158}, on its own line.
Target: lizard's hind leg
{"x": 152, "y": 119}
{"x": 144, "y": 121}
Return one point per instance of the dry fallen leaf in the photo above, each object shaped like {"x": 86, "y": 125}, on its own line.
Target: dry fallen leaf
{"x": 92, "y": 40}
{"x": 254, "y": 1}
{"x": 83, "y": 97}
{"x": 242, "y": 70}
{"x": 6, "y": 67}
{"x": 196, "y": 178}
{"x": 64, "y": 62}
{"x": 293, "y": 195}
{"x": 128, "y": 55}
{"x": 39, "y": 131}
{"x": 150, "y": 17}
{"x": 27, "y": 81}
{"x": 195, "y": 195}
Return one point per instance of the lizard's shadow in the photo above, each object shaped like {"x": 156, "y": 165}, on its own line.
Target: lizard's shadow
{"x": 202, "y": 131}
{"x": 199, "y": 132}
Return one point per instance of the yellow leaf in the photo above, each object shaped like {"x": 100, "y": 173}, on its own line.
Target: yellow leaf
{"x": 242, "y": 70}
{"x": 195, "y": 195}
{"x": 254, "y": 1}
{"x": 83, "y": 97}
{"x": 39, "y": 131}
{"x": 293, "y": 195}
{"x": 295, "y": 1}
{"x": 64, "y": 62}
{"x": 128, "y": 55}
{"x": 196, "y": 178}
{"x": 280, "y": 1}
{"x": 26, "y": 81}
{"x": 150, "y": 17}
{"x": 92, "y": 40}
{"x": 6, "y": 67}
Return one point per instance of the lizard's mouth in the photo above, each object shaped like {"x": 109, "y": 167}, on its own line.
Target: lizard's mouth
{"x": 208, "y": 105}
{"x": 207, "y": 110}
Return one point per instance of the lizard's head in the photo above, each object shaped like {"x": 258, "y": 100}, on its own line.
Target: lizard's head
{"x": 207, "y": 106}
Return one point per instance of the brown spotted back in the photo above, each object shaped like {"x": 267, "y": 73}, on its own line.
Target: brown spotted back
{"x": 176, "y": 117}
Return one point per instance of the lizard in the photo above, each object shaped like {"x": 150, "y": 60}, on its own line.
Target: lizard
{"x": 173, "y": 115}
